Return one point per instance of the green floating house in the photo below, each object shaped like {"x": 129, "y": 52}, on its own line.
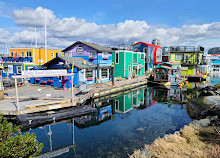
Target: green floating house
{"x": 125, "y": 103}
{"x": 128, "y": 63}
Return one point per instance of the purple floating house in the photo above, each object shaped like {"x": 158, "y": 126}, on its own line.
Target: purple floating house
{"x": 99, "y": 55}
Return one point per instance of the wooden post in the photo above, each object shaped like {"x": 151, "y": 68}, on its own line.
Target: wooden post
{"x": 16, "y": 90}
{"x": 73, "y": 132}
{"x": 113, "y": 73}
{"x": 72, "y": 88}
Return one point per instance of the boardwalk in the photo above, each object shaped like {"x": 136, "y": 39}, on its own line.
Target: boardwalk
{"x": 33, "y": 98}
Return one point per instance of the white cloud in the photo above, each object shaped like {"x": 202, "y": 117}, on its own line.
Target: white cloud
{"x": 65, "y": 31}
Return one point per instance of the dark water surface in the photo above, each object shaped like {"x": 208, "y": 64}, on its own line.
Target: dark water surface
{"x": 120, "y": 126}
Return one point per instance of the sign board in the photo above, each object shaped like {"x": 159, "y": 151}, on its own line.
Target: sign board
{"x": 44, "y": 72}
{"x": 79, "y": 50}
{"x": 112, "y": 64}
{"x": 10, "y": 69}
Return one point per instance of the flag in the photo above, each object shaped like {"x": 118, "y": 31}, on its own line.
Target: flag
{"x": 15, "y": 54}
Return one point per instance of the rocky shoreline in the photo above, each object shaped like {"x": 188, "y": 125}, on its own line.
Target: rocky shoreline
{"x": 207, "y": 104}
{"x": 201, "y": 138}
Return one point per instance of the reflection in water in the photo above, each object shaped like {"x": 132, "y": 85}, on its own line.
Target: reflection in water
{"x": 120, "y": 126}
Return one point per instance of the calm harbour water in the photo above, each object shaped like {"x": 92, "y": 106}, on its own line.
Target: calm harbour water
{"x": 121, "y": 125}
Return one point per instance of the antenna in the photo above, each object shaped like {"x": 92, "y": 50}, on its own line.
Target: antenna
{"x": 45, "y": 22}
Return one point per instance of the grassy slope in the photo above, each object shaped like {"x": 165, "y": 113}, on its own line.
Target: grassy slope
{"x": 190, "y": 142}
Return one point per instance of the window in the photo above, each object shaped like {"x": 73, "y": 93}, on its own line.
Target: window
{"x": 104, "y": 73}
{"x": 18, "y": 69}
{"x": 105, "y": 55}
{"x": 12, "y": 54}
{"x": 22, "y": 54}
{"x": 52, "y": 54}
{"x": 89, "y": 74}
{"x": 116, "y": 58}
{"x": 159, "y": 55}
{"x": 92, "y": 54}
{"x": 178, "y": 56}
{"x": 117, "y": 105}
{"x": 28, "y": 54}
{"x": 142, "y": 56}
{"x": 129, "y": 68}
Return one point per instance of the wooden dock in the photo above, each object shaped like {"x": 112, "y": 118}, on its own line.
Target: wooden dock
{"x": 37, "y": 99}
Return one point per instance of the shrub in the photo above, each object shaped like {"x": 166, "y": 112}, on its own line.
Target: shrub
{"x": 14, "y": 144}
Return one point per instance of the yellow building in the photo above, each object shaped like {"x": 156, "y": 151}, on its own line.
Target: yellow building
{"x": 38, "y": 55}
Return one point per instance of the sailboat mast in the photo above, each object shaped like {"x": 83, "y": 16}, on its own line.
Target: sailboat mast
{"x": 45, "y": 23}
{"x": 35, "y": 37}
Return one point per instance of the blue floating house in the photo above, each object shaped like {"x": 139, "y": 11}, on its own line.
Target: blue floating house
{"x": 82, "y": 59}
{"x": 94, "y": 53}
{"x": 83, "y": 70}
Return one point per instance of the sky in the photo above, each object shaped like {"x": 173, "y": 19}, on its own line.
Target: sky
{"x": 109, "y": 22}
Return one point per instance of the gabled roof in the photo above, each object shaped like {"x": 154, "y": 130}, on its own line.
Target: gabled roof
{"x": 147, "y": 44}
{"x": 78, "y": 62}
{"x": 92, "y": 45}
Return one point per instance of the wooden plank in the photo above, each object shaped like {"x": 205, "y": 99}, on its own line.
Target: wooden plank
{"x": 46, "y": 108}
{"x": 33, "y": 98}
{"x": 44, "y": 104}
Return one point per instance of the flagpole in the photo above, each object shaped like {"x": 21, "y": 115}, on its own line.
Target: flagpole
{"x": 45, "y": 23}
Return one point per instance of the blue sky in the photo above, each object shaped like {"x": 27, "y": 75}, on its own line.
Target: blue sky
{"x": 194, "y": 22}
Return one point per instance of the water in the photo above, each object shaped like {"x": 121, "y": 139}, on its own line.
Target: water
{"x": 122, "y": 124}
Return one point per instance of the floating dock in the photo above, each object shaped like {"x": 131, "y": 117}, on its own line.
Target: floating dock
{"x": 45, "y": 103}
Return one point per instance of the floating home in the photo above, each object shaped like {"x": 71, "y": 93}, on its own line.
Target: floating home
{"x": 167, "y": 73}
{"x": 188, "y": 56}
{"x": 128, "y": 64}
{"x": 82, "y": 59}
{"x": 77, "y": 65}
{"x": 93, "y": 53}
{"x": 152, "y": 52}
{"x": 23, "y": 59}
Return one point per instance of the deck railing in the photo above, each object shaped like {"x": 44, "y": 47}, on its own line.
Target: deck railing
{"x": 17, "y": 59}
{"x": 183, "y": 49}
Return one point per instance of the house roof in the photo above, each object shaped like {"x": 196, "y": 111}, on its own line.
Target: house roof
{"x": 164, "y": 67}
{"x": 78, "y": 62}
{"x": 92, "y": 45}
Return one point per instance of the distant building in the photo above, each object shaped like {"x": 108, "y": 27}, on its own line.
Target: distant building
{"x": 214, "y": 57}
{"x": 156, "y": 42}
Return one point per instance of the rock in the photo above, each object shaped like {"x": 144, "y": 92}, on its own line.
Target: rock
{"x": 204, "y": 106}
{"x": 140, "y": 129}
{"x": 212, "y": 118}
{"x": 144, "y": 152}
{"x": 201, "y": 123}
